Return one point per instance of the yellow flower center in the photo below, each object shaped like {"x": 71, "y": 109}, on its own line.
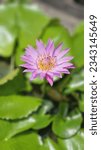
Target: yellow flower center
{"x": 46, "y": 63}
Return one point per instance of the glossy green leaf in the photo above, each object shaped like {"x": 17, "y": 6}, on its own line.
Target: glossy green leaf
{"x": 8, "y": 30}
{"x": 18, "y": 106}
{"x": 36, "y": 121}
{"x": 13, "y": 83}
{"x": 65, "y": 127}
{"x": 31, "y": 22}
{"x": 46, "y": 107}
{"x": 49, "y": 144}
{"x": 42, "y": 121}
{"x": 76, "y": 82}
{"x": 74, "y": 143}
{"x": 27, "y": 141}
{"x": 78, "y": 45}
{"x": 63, "y": 109}
{"x": 10, "y": 128}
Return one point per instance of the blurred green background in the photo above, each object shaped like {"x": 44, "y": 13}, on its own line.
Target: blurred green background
{"x": 33, "y": 115}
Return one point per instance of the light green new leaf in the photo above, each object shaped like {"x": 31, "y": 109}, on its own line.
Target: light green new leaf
{"x": 15, "y": 107}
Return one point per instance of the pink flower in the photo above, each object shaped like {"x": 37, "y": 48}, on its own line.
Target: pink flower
{"x": 46, "y": 61}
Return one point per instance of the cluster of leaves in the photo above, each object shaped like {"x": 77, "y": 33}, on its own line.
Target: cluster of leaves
{"x": 33, "y": 115}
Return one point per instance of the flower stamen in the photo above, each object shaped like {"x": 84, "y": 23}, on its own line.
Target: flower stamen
{"x": 46, "y": 63}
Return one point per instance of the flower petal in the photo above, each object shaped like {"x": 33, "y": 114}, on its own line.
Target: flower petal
{"x": 55, "y": 73}
{"x": 34, "y": 75}
{"x": 29, "y": 66}
{"x": 28, "y": 59}
{"x": 30, "y": 51}
{"x": 64, "y": 59}
{"x": 62, "y": 70}
{"x": 58, "y": 49}
{"x": 49, "y": 79}
{"x": 40, "y": 47}
{"x": 62, "y": 53}
{"x": 42, "y": 75}
{"x": 28, "y": 70}
{"x": 50, "y": 47}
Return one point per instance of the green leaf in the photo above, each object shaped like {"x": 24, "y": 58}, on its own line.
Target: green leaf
{"x": 63, "y": 109}
{"x": 78, "y": 45}
{"x": 49, "y": 144}
{"x": 8, "y": 77}
{"x": 6, "y": 48}
{"x": 59, "y": 34}
{"x": 65, "y": 127}
{"x": 8, "y": 30}
{"x": 46, "y": 107}
{"x": 22, "y": 23}
{"x": 37, "y": 121}
{"x": 76, "y": 81}
{"x": 27, "y": 141}
{"x": 13, "y": 83}
{"x": 31, "y": 22}
{"x": 74, "y": 143}
{"x": 18, "y": 106}
{"x": 42, "y": 121}
{"x": 10, "y": 128}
